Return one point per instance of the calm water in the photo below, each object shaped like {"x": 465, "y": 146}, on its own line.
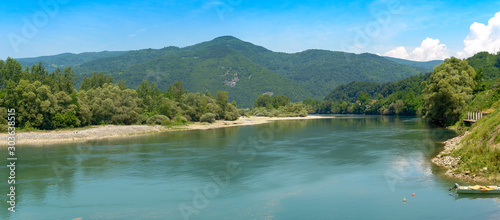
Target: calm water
{"x": 343, "y": 168}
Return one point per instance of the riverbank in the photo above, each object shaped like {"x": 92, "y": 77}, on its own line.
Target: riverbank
{"x": 446, "y": 160}
{"x": 114, "y": 131}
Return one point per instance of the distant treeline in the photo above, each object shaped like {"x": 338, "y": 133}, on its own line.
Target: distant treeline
{"x": 403, "y": 97}
{"x": 457, "y": 92}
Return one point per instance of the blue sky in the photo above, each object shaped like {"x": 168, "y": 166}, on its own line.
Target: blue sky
{"x": 422, "y": 30}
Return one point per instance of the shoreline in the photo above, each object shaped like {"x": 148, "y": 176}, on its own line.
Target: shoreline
{"x": 117, "y": 131}
{"x": 450, "y": 163}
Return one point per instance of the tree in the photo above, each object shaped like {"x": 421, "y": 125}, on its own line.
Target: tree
{"x": 479, "y": 79}
{"x": 264, "y": 101}
{"x": 450, "y": 85}
{"x": 95, "y": 81}
{"x": 176, "y": 89}
{"x": 280, "y": 100}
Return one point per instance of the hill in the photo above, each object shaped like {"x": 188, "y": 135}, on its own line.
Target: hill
{"x": 426, "y": 66}
{"x": 64, "y": 60}
{"x": 213, "y": 69}
{"x": 206, "y": 67}
{"x": 489, "y": 64}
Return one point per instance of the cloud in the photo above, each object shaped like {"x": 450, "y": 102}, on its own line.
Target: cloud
{"x": 430, "y": 49}
{"x": 482, "y": 38}
{"x": 398, "y": 52}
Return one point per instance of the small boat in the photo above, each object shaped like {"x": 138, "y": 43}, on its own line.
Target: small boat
{"x": 477, "y": 189}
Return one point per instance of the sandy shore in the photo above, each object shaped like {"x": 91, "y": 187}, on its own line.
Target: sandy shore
{"x": 444, "y": 159}
{"x": 113, "y": 131}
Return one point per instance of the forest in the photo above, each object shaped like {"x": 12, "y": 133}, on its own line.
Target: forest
{"x": 47, "y": 101}
{"x": 476, "y": 92}
{"x": 243, "y": 69}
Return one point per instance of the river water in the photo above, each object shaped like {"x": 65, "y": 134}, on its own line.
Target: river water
{"x": 358, "y": 167}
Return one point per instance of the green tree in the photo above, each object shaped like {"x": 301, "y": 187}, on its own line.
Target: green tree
{"x": 95, "y": 81}
{"x": 280, "y": 100}
{"x": 479, "y": 79}
{"x": 450, "y": 85}
{"x": 176, "y": 90}
{"x": 264, "y": 101}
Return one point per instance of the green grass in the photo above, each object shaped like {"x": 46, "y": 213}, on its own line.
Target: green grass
{"x": 481, "y": 148}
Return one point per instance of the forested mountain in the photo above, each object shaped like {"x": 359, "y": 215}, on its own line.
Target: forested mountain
{"x": 425, "y": 66}
{"x": 408, "y": 92}
{"x": 213, "y": 69}
{"x": 244, "y": 69}
{"x": 64, "y": 60}
{"x": 488, "y": 63}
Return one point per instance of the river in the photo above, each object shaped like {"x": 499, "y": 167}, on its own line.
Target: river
{"x": 356, "y": 167}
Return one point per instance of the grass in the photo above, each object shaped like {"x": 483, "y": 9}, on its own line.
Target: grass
{"x": 481, "y": 148}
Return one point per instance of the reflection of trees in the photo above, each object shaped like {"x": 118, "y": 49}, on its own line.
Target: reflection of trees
{"x": 174, "y": 156}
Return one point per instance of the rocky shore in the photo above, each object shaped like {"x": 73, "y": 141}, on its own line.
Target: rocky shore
{"x": 446, "y": 160}
{"x": 112, "y": 131}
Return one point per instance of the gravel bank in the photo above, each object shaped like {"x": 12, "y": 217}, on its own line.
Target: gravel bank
{"x": 444, "y": 159}
{"x": 111, "y": 131}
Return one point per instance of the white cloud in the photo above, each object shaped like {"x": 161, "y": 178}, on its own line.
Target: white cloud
{"x": 482, "y": 38}
{"x": 430, "y": 49}
{"x": 398, "y": 52}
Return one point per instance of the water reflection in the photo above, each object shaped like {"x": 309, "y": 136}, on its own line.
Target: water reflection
{"x": 290, "y": 156}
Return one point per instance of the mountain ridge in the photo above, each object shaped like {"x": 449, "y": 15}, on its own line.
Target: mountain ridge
{"x": 307, "y": 74}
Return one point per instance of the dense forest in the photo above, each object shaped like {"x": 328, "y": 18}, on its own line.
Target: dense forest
{"x": 44, "y": 100}
{"x": 405, "y": 97}
{"x": 243, "y": 69}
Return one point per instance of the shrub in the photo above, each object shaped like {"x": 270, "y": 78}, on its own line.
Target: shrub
{"x": 157, "y": 119}
{"x": 166, "y": 123}
{"x": 208, "y": 117}
{"x": 180, "y": 120}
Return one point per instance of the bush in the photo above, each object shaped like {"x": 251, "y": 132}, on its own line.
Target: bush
{"x": 157, "y": 119}
{"x": 242, "y": 112}
{"x": 180, "y": 120}
{"x": 3, "y": 128}
{"x": 208, "y": 117}
{"x": 166, "y": 123}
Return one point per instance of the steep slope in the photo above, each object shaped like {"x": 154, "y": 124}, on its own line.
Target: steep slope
{"x": 319, "y": 71}
{"x": 125, "y": 60}
{"x": 488, "y": 63}
{"x": 212, "y": 69}
{"x": 313, "y": 73}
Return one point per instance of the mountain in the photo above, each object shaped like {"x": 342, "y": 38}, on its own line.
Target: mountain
{"x": 242, "y": 68}
{"x": 424, "y": 67}
{"x": 488, "y": 63}
{"x": 213, "y": 69}
{"x": 67, "y": 59}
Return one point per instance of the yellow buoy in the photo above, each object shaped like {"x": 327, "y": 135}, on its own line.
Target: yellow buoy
{"x": 404, "y": 199}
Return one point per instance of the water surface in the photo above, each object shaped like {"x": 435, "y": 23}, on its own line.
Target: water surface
{"x": 342, "y": 168}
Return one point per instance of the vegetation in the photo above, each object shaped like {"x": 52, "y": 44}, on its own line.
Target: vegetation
{"x": 65, "y": 60}
{"x": 244, "y": 70}
{"x": 403, "y": 97}
{"x": 479, "y": 152}
{"x": 50, "y": 101}
{"x": 427, "y": 66}
{"x": 450, "y": 86}
{"x": 278, "y": 106}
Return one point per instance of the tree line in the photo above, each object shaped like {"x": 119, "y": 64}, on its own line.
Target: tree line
{"x": 47, "y": 101}
{"x": 442, "y": 96}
